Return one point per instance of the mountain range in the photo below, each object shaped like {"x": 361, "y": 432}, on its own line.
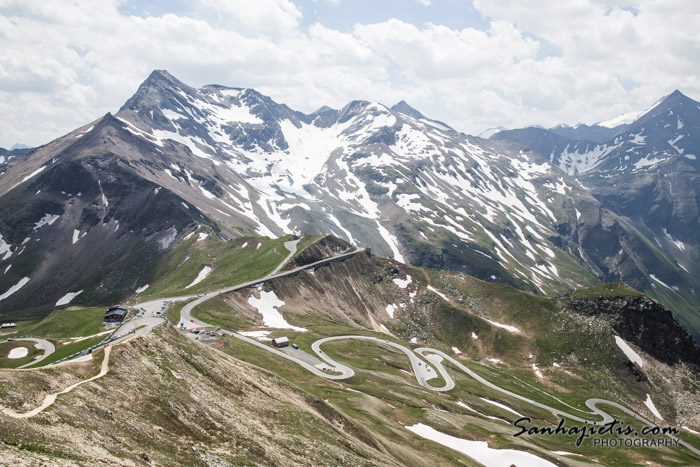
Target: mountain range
{"x": 456, "y": 284}
{"x": 93, "y": 211}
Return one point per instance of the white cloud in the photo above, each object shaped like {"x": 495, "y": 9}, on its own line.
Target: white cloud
{"x": 270, "y": 17}
{"x": 65, "y": 63}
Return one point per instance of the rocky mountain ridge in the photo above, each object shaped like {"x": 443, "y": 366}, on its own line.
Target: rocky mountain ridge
{"x": 648, "y": 173}
{"x": 412, "y": 188}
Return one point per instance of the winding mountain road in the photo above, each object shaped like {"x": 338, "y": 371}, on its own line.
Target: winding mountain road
{"x": 423, "y": 372}
{"x": 421, "y": 369}
{"x": 333, "y": 370}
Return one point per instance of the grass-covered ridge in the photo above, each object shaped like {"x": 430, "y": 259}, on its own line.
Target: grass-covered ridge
{"x": 64, "y": 323}
{"x": 231, "y": 262}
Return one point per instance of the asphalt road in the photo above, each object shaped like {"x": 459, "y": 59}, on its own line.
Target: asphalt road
{"x": 422, "y": 371}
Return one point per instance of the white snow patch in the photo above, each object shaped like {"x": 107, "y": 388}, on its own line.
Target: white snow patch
{"x": 18, "y": 352}
{"x": 660, "y": 281}
{"x": 67, "y": 298}
{"x": 503, "y": 406}
{"x": 433, "y": 289}
{"x": 202, "y": 236}
{"x": 462, "y": 404}
{"x": 678, "y": 243}
{"x": 480, "y": 450}
{"x": 672, "y": 143}
{"x": 638, "y": 138}
{"x": 235, "y": 113}
{"x": 256, "y": 334}
{"x": 404, "y": 201}
{"x": 142, "y": 289}
{"x": 631, "y": 354}
{"x": 494, "y": 360}
{"x": 244, "y": 245}
{"x": 402, "y": 283}
{"x": 537, "y": 371}
{"x": 504, "y": 326}
{"x": 48, "y": 219}
{"x": 14, "y": 288}
{"x": 646, "y": 161}
{"x": 390, "y": 309}
{"x": 172, "y": 115}
{"x": 168, "y": 239}
{"x": 36, "y": 172}
{"x": 650, "y": 404}
{"x": 267, "y": 306}
{"x": 201, "y": 276}
{"x": 413, "y": 340}
{"x": 474, "y": 336}
{"x": 456, "y": 350}
{"x": 5, "y": 249}
{"x": 556, "y": 365}
{"x": 77, "y": 236}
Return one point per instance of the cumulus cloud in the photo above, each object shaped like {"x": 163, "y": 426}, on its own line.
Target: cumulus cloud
{"x": 269, "y": 17}
{"x": 65, "y": 63}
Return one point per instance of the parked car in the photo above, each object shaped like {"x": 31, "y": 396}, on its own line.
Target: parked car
{"x": 295, "y": 346}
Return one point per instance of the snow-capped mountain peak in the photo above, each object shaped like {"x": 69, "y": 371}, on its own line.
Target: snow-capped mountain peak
{"x": 630, "y": 117}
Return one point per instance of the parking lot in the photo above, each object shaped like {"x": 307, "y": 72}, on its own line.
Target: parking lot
{"x": 205, "y": 336}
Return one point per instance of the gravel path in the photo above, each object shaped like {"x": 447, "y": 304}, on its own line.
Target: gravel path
{"x": 51, "y": 398}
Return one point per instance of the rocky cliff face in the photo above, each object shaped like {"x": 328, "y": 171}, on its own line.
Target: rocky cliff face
{"x": 643, "y": 321}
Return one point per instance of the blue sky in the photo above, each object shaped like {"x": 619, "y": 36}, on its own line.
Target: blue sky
{"x": 342, "y": 15}
{"x": 472, "y": 64}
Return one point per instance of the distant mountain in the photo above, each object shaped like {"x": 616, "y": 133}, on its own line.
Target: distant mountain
{"x": 628, "y": 118}
{"x": 595, "y": 133}
{"x": 648, "y": 173}
{"x": 410, "y": 187}
{"x": 8, "y": 155}
{"x": 491, "y": 131}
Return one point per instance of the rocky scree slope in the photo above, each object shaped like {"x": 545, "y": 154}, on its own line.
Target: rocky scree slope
{"x": 169, "y": 399}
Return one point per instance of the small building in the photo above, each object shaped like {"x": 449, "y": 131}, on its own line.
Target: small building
{"x": 280, "y": 342}
{"x": 8, "y": 325}
{"x": 115, "y": 314}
